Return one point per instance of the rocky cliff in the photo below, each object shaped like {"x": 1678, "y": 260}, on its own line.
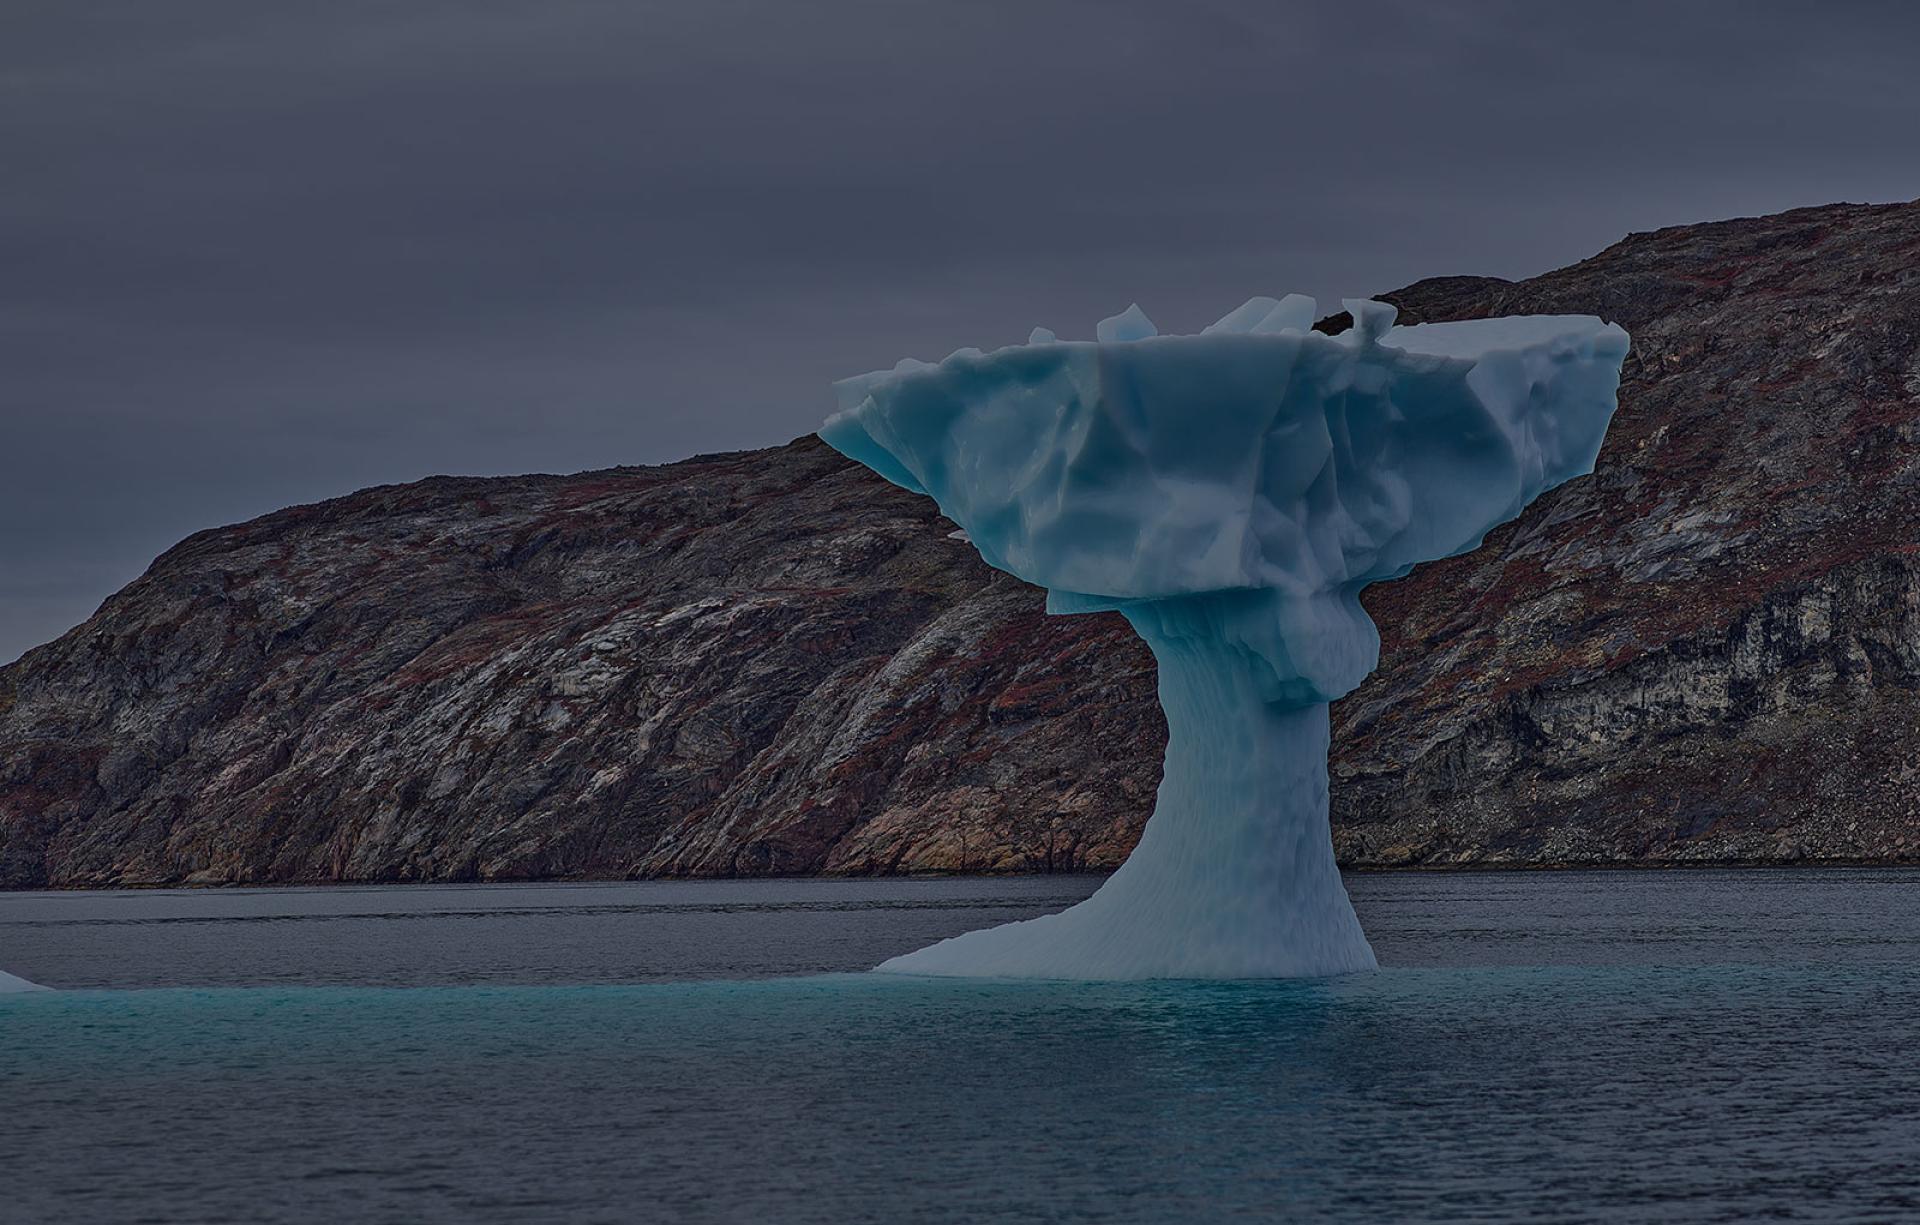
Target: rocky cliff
{"x": 1710, "y": 649}
{"x": 769, "y": 662}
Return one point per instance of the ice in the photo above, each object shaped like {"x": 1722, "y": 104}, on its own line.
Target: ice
{"x": 1130, "y": 324}
{"x": 9, "y": 984}
{"x": 1230, "y": 493}
{"x": 1262, "y": 315}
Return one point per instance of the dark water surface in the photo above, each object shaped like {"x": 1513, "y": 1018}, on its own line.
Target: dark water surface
{"x": 1676, "y": 1046}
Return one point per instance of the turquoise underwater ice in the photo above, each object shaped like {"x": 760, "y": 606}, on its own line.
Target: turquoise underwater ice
{"x": 1230, "y": 493}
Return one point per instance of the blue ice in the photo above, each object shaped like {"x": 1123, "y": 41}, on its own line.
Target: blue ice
{"x": 9, "y": 984}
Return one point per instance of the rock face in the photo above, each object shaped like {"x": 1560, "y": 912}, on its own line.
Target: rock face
{"x": 770, "y": 662}
{"x": 766, "y": 662}
{"x": 1710, "y": 650}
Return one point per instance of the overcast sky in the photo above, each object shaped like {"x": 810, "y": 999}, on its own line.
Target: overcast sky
{"x": 256, "y": 253}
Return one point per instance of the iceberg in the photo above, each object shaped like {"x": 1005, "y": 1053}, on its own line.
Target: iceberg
{"x": 8, "y": 984}
{"x": 1230, "y": 494}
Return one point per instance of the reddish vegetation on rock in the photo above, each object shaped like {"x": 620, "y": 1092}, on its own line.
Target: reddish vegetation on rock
{"x": 770, "y": 662}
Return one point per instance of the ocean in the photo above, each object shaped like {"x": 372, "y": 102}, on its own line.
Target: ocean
{"x": 1542, "y": 1046}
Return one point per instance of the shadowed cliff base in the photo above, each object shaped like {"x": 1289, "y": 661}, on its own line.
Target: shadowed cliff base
{"x": 770, "y": 663}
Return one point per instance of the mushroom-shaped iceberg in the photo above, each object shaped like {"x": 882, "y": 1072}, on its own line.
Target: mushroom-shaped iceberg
{"x": 1230, "y": 493}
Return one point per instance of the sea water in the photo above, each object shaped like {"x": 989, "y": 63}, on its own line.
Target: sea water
{"x": 1644, "y": 1046}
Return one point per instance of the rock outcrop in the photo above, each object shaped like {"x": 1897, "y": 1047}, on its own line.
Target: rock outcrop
{"x": 1710, "y": 650}
{"x": 770, "y": 662}
{"x": 766, "y": 662}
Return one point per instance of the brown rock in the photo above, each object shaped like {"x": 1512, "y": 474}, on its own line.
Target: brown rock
{"x": 769, "y": 662}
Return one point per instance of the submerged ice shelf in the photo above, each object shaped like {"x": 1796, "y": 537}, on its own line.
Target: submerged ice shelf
{"x": 1230, "y": 493}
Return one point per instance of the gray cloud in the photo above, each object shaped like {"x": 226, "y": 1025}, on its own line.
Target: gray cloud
{"x": 259, "y": 254}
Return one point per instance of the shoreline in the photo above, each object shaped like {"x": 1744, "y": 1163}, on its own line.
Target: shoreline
{"x": 1566, "y": 866}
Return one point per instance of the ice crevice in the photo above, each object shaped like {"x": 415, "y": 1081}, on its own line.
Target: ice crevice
{"x": 1231, "y": 493}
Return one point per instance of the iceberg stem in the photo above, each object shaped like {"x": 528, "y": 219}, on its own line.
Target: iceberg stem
{"x": 1234, "y": 876}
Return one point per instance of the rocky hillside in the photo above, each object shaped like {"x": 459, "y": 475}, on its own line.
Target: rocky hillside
{"x": 1710, "y": 650}
{"x": 760, "y": 662}
{"x": 769, "y": 662}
